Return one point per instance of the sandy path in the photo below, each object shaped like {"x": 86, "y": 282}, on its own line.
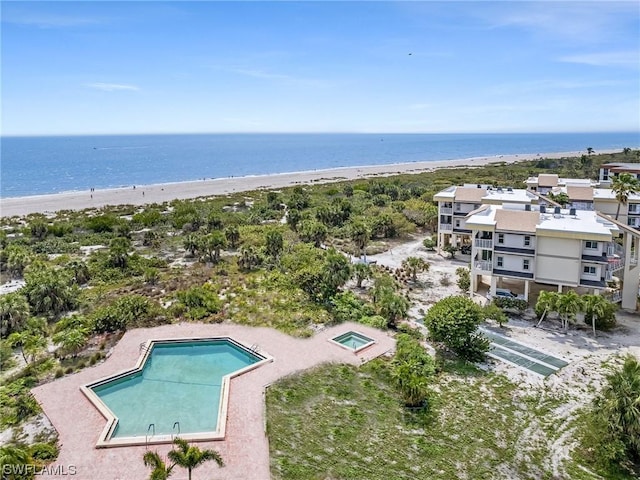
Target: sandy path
{"x": 144, "y": 194}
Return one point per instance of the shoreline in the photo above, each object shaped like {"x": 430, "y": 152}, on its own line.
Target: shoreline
{"x": 163, "y": 192}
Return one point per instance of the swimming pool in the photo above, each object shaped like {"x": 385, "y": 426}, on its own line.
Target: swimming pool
{"x": 353, "y": 341}
{"x": 179, "y": 387}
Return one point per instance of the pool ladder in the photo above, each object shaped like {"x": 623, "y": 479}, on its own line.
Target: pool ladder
{"x": 143, "y": 347}
{"x": 174, "y": 435}
{"x": 152, "y": 428}
{"x": 254, "y": 347}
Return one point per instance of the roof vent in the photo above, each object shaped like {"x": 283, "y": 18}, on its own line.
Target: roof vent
{"x": 543, "y": 209}
{"x": 509, "y": 189}
{"x": 527, "y": 207}
{"x": 479, "y": 186}
{"x": 572, "y": 212}
{"x": 499, "y": 189}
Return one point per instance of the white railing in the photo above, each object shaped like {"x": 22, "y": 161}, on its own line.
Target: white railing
{"x": 633, "y": 260}
{"x": 486, "y": 243}
{"x": 483, "y": 266}
{"x": 614, "y": 297}
{"x": 613, "y": 248}
{"x": 615, "y": 265}
{"x": 446, "y": 227}
{"x": 446, "y": 211}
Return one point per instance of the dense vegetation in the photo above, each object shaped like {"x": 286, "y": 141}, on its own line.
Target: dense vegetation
{"x": 268, "y": 258}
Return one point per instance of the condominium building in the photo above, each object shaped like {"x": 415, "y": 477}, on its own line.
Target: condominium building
{"x": 548, "y": 182}
{"x": 610, "y": 170}
{"x": 456, "y": 202}
{"x": 566, "y": 248}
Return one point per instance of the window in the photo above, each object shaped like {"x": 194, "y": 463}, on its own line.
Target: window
{"x": 527, "y": 240}
{"x": 525, "y": 264}
{"x": 589, "y": 270}
{"x": 501, "y": 238}
{"x": 591, "y": 245}
{"x": 500, "y": 261}
{"x": 457, "y": 223}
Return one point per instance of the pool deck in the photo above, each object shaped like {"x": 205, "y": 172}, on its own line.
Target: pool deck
{"x": 245, "y": 449}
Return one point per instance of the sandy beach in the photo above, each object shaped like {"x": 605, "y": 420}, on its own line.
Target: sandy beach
{"x": 159, "y": 193}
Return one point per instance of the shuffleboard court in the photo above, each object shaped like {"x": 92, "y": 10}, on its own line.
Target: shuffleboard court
{"x": 523, "y": 356}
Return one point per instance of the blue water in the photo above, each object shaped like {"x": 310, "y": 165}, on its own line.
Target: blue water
{"x": 178, "y": 383}
{"x": 38, "y": 165}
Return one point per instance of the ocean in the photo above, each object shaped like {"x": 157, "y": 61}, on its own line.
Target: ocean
{"x": 40, "y": 165}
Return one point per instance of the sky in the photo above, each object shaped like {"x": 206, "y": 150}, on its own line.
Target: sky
{"x": 117, "y": 67}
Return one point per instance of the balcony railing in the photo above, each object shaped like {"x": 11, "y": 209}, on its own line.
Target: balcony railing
{"x": 446, "y": 227}
{"x": 614, "y": 297}
{"x": 446, "y": 211}
{"x": 486, "y": 243}
{"x": 614, "y": 248}
{"x": 615, "y": 265}
{"x": 483, "y": 266}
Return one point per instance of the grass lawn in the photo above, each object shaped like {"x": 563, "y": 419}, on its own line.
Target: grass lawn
{"x": 343, "y": 422}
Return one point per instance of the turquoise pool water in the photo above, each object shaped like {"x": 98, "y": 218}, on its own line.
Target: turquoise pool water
{"x": 353, "y": 340}
{"x": 179, "y": 382}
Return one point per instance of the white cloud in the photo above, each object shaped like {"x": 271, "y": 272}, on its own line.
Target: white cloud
{"x": 606, "y": 59}
{"x": 419, "y": 106}
{"x": 113, "y": 87}
{"x": 277, "y": 77}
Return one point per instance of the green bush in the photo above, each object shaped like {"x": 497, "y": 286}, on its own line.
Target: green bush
{"x": 494, "y": 312}
{"x": 375, "y": 321}
{"x": 507, "y": 303}
{"x": 411, "y": 369}
{"x": 199, "y": 302}
{"x": 347, "y": 307}
{"x": 127, "y": 311}
{"x": 464, "y": 279}
{"x": 43, "y": 452}
{"x": 454, "y": 322}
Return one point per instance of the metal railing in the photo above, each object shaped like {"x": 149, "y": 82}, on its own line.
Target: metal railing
{"x": 446, "y": 211}
{"x": 483, "y": 265}
{"x": 615, "y": 265}
{"x": 446, "y": 227}
{"x": 614, "y": 297}
{"x": 486, "y": 243}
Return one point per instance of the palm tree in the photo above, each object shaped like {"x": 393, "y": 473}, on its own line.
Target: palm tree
{"x": 274, "y": 244}
{"x": 211, "y": 244}
{"x": 360, "y": 235}
{"x": 14, "y": 311}
{"x": 414, "y": 265}
{"x": 71, "y": 340}
{"x": 80, "y": 272}
{"x": 392, "y": 306}
{"x": 248, "y": 258}
{"x": 336, "y": 271}
{"x": 233, "y": 235}
{"x": 361, "y": 271}
{"x": 160, "y": 469}
{"x": 547, "y": 303}
{"x": 595, "y": 307}
{"x": 623, "y": 186}
{"x": 191, "y": 244}
{"x": 590, "y": 151}
{"x": 619, "y": 406}
{"x": 190, "y": 456}
{"x": 626, "y": 151}
{"x": 30, "y": 343}
{"x": 119, "y": 252}
{"x": 569, "y": 304}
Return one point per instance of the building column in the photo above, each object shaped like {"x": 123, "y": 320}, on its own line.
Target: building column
{"x": 597, "y": 291}
{"x": 492, "y": 287}
{"x": 526, "y": 290}
{"x": 559, "y": 288}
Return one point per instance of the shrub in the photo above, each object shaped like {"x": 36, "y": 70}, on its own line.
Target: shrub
{"x": 346, "y": 307}
{"x": 507, "y": 303}
{"x": 199, "y": 302}
{"x": 464, "y": 279}
{"x": 454, "y": 322}
{"x": 128, "y": 311}
{"x": 411, "y": 369}
{"x": 445, "y": 280}
{"x": 59, "y": 373}
{"x": 494, "y": 312}
{"x": 43, "y": 452}
{"x": 429, "y": 243}
{"x": 375, "y": 321}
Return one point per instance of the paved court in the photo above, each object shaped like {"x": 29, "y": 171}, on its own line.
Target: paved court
{"x": 522, "y": 356}
{"x": 245, "y": 449}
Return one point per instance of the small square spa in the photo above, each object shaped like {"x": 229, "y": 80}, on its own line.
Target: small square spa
{"x": 353, "y": 341}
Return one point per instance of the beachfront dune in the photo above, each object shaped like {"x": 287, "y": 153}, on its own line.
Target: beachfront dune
{"x": 144, "y": 194}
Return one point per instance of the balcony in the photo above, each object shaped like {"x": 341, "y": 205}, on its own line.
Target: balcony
{"x": 614, "y": 265}
{"x": 446, "y": 227}
{"x": 614, "y": 297}
{"x": 483, "y": 266}
{"x": 485, "y": 243}
{"x": 446, "y": 211}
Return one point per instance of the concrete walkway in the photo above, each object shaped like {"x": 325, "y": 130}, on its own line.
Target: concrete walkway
{"x": 245, "y": 449}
